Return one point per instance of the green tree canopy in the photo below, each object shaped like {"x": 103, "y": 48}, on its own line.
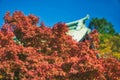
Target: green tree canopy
{"x": 102, "y": 25}
{"x": 109, "y": 38}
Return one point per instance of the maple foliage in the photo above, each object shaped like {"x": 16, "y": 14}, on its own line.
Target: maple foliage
{"x": 49, "y": 53}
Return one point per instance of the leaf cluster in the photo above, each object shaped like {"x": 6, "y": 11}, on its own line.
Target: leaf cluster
{"x": 49, "y": 53}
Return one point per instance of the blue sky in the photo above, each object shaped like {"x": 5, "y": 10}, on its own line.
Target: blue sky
{"x": 53, "y": 11}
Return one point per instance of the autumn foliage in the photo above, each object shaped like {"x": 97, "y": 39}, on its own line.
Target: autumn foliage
{"x": 44, "y": 53}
